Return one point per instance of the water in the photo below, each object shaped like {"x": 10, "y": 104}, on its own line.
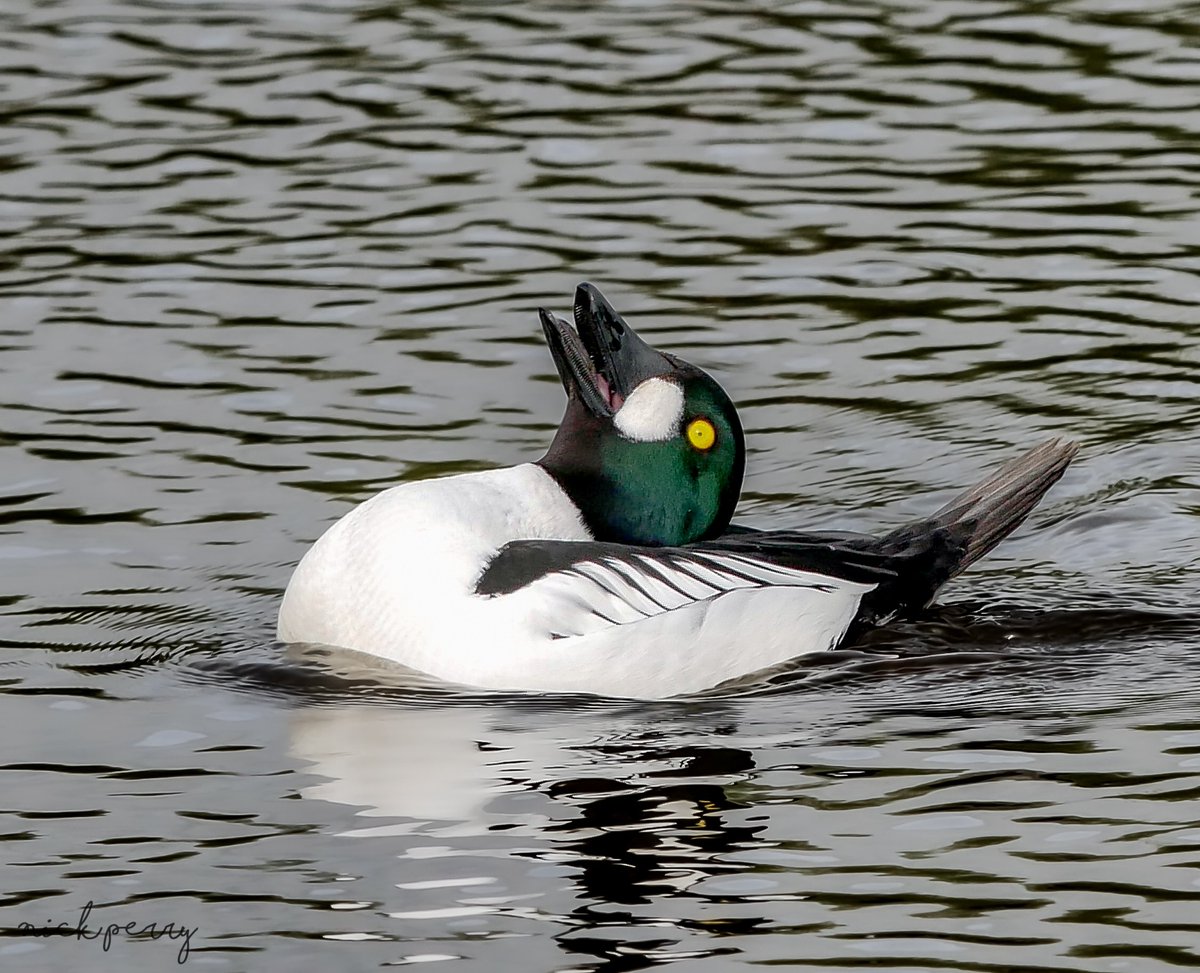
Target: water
{"x": 263, "y": 259}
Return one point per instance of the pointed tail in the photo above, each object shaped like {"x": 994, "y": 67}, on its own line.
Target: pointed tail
{"x": 992, "y": 509}
{"x": 964, "y": 530}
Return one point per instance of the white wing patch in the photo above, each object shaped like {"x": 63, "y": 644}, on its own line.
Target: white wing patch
{"x": 592, "y": 595}
{"x": 651, "y": 412}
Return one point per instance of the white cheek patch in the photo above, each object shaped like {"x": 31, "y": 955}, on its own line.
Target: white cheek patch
{"x": 651, "y": 412}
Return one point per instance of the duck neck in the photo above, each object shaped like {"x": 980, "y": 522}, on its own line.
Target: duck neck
{"x": 572, "y": 461}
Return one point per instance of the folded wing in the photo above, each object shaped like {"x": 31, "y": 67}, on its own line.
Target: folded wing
{"x": 581, "y": 587}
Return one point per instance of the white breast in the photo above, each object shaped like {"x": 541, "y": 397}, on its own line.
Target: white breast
{"x": 395, "y": 576}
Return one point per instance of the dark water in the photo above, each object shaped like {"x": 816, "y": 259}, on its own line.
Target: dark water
{"x": 262, "y": 259}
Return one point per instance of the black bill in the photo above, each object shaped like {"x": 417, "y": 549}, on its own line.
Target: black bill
{"x": 601, "y": 358}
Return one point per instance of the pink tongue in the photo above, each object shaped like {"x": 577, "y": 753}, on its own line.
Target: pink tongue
{"x": 614, "y": 400}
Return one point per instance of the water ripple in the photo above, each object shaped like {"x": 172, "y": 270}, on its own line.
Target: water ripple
{"x": 263, "y": 260}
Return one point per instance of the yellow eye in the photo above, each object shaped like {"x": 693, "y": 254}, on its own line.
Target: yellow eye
{"x": 700, "y": 433}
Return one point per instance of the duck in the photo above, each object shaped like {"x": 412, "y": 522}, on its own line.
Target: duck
{"x": 611, "y": 565}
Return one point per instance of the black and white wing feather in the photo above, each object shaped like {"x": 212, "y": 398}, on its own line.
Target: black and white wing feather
{"x": 581, "y": 587}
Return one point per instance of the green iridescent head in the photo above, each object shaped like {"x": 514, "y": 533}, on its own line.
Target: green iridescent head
{"x": 650, "y": 448}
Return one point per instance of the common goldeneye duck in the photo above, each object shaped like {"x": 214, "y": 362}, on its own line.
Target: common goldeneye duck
{"x": 609, "y": 566}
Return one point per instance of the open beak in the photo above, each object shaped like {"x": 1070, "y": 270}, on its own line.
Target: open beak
{"x": 601, "y": 359}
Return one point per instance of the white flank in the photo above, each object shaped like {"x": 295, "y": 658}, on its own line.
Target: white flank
{"x": 680, "y": 623}
{"x": 651, "y": 412}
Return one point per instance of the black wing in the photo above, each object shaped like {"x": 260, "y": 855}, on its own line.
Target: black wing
{"x": 754, "y": 557}
{"x": 569, "y": 588}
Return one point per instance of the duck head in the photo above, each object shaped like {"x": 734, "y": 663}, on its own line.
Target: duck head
{"x": 650, "y": 448}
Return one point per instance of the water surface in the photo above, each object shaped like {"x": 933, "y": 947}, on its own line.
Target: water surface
{"x": 264, "y": 259}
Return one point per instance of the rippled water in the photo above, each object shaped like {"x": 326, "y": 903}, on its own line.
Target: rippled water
{"x": 262, "y": 259}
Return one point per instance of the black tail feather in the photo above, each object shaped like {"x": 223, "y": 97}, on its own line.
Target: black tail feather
{"x": 992, "y": 509}
{"x": 943, "y": 545}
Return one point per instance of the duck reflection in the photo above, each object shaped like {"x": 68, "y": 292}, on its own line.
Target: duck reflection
{"x": 437, "y": 767}
{"x": 633, "y": 842}
{"x": 634, "y": 813}
{"x": 424, "y": 766}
